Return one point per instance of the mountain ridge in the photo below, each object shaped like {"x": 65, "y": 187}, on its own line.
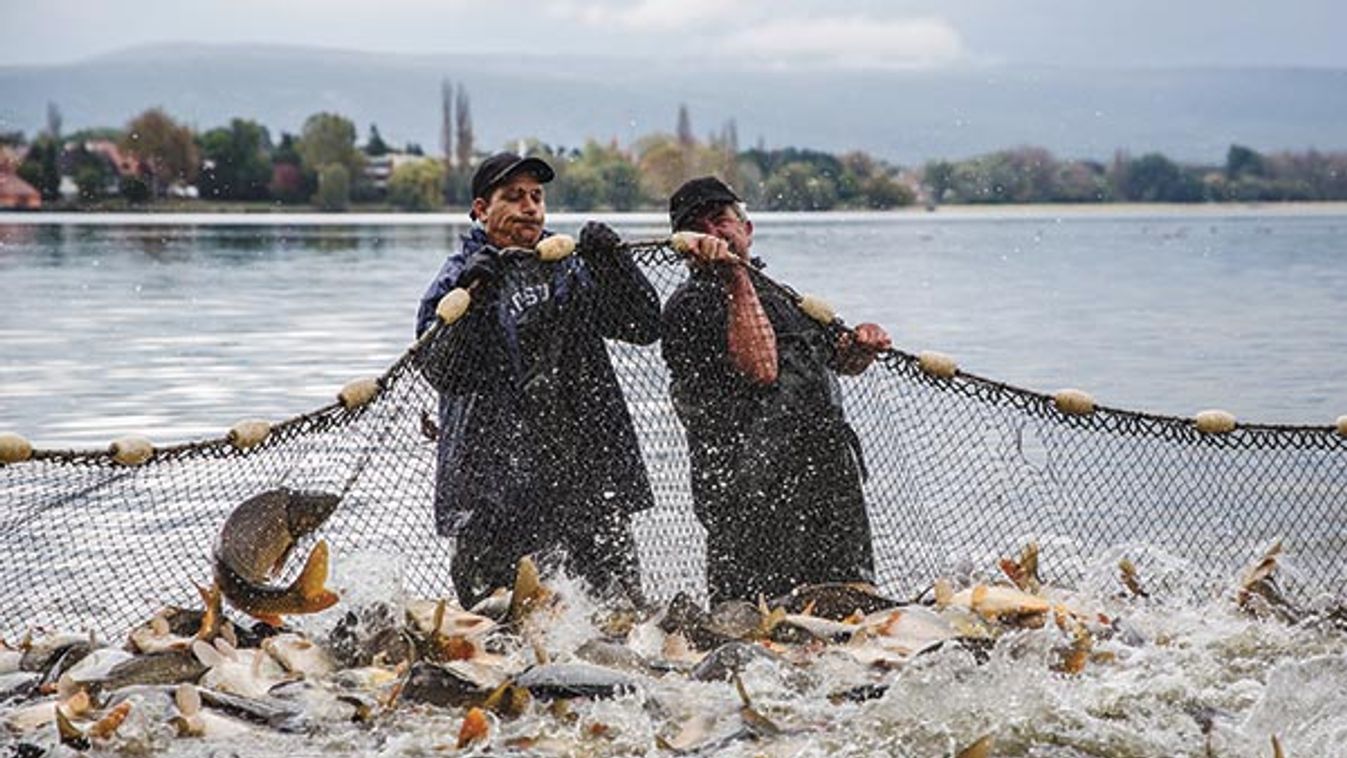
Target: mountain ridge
{"x": 906, "y": 116}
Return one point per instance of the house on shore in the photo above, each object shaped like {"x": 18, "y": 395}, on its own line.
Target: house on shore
{"x": 15, "y": 193}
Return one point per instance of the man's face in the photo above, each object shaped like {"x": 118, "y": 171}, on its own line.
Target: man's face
{"x": 513, "y": 215}
{"x": 728, "y": 225}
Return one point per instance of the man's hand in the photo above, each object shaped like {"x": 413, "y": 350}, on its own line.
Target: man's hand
{"x": 482, "y": 270}
{"x": 598, "y": 237}
{"x": 857, "y": 349}
{"x": 706, "y": 249}
{"x": 872, "y": 338}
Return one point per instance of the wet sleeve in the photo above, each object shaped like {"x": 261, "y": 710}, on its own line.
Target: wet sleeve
{"x": 453, "y": 357}
{"x": 628, "y": 306}
{"x": 439, "y": 287}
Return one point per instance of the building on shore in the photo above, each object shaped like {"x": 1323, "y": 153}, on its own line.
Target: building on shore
{"x": 15, "y": 193}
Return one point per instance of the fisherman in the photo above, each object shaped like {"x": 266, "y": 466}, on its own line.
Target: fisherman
{"x": 536, "y": 450}
{"x": 776, "y": 468}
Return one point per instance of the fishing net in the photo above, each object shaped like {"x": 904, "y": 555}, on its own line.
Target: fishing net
{"x": 962, "y": 471}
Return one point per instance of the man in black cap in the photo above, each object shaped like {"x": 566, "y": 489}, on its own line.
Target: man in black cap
{"x": 776, "y": 468}
{"x": 536, "y": 452}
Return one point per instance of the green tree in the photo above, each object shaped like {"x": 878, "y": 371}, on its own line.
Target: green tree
{"x": 329, "y": 139}
{"x": 91, "y": 182}
{"x": 166, "y": 149}
{"x": 1241, "y": 161}
{"x": 334, "y": 188}
{"x": 41, "y": 168}
{"x": 375, "y": 145}
{"x": 882, "y": 192}
{"x": 1155, "y": 178}
{"x": 800, "y": 186}
{"x": 938, "y": 176}
{"x": 416, "y": 185}
{"x": 92, "y": 172}
{"x": 237, "y": 161}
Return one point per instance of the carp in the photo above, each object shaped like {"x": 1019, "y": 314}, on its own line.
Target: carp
{"x": 254, "y": 544}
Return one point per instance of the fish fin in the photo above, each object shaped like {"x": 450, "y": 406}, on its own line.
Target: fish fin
{"x": 69, "y": 733}
{"x": 314, "y": 595}
{"x": 270, "y": 619}
{"x": 210, "y": 620}
{"x": 438, "y": 620}
{"x": 187, "y": 699}
{"x": 226, "y": 649}
{"x": 982, "y": 748}
{"x": 528, "y": 591}
{"x": 475, "y": 728}
{"x": 209, "y": 656}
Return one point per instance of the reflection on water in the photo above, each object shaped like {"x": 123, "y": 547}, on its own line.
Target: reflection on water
{"x": 177, "y": 331}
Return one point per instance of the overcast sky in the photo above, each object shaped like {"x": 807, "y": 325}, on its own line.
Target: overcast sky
{"x": 863, "y": 33}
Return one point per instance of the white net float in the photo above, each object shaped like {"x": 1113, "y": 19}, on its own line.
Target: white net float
{"x": 1074, "y": 402}
{"x": 555, "y": 248}
{"x": 131, "y": 451}
{"x": 453, "y": 305}
{"x": 1342, "y": 425}
{"x": 16, "y": 449}
{"x": 683, "y": 242}
{"x": 1215, "y": 421}
{"x": 249, "y": 433}
{"x": 937, "y": 364}
{"x": 358, "y": 392}
{"x": 818, "y": 309}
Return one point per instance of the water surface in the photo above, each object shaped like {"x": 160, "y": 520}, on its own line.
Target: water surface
{"x": 176, "y": 327}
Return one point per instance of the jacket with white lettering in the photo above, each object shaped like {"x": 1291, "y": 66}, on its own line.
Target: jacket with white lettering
{"x": 529, "y": 401}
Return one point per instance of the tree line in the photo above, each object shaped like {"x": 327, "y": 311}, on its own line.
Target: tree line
{"x": 1034, "y": 175}
{"x": 329, "y": 166}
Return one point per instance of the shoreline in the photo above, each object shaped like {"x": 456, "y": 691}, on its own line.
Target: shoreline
{"x": 1040, "y": 211}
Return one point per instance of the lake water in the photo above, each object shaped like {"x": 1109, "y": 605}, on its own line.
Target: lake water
{"x": 177, "y": 326}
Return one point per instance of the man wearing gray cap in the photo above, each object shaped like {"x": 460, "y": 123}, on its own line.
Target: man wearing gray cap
{"x": 536, "y": 451}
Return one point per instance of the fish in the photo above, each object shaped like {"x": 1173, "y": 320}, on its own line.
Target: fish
{"x": 1260, "y": 595}
{"x": 581, "y": 680}
{"x": 249, "y": 673}
{"x": 835, "y": 601}
{"x": 254, "y": 544}
{"x": 159, "y": 668}
{"x": 1023, "y": 572}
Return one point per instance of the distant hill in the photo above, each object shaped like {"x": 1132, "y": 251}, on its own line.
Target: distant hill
{"x": 904, "y": 116}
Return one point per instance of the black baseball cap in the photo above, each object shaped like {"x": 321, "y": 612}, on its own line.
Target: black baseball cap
{"x": 501, "y": 166}
{"x": 696, "y": 194}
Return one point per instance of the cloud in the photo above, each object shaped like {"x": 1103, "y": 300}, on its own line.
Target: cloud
{"x": 646, "y": 15}
{"x": 853, "y": 41}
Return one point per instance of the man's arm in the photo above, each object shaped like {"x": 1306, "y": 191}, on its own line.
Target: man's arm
{"x": 453, "y": 354}
{"x": 628, "y": 306}
{"x": 749, "y": 336}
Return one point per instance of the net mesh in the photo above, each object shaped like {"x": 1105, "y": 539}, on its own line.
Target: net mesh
{"x": 962, "y": 471}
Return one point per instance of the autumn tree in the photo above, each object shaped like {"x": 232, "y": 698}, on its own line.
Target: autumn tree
{"x": 166, "y": 149}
